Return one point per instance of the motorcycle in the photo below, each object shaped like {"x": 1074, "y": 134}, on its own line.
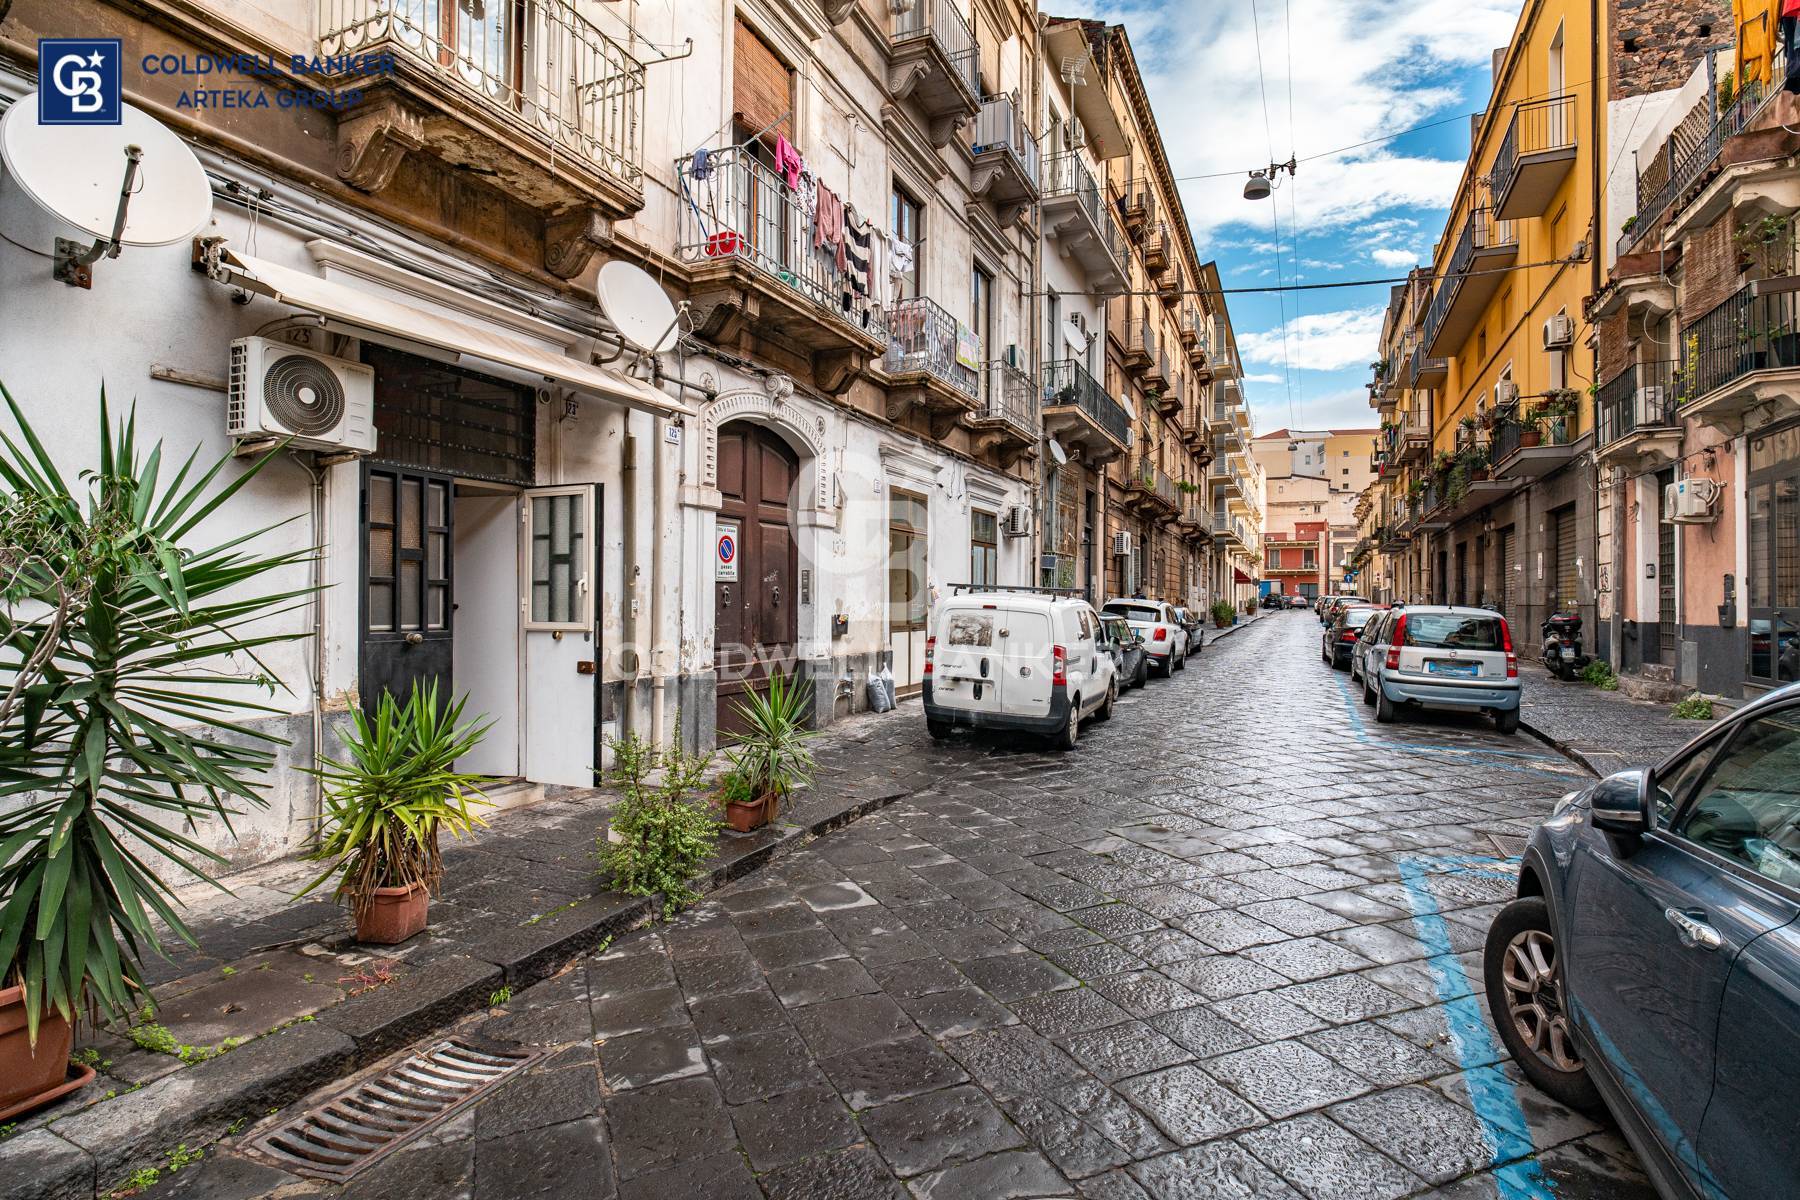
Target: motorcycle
{"x": 1561, "y": 651}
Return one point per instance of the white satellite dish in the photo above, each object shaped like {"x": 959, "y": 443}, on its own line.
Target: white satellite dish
{"x": 1075, "y": 336}
{"x": 1130, "y": 408}
{"x": 637, "y": 306}
{"x": 130, "y": 184}
{"x": 1058, "y": 453}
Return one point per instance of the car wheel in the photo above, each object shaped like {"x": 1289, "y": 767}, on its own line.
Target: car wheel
{"x": 939, "y": 730}
{"x": 1166, "y": 668}
{"x": 1071, "y": 732}
{"x": 1180, "y": 664}
{"x": 1143, "y": 671}
{"x": 1368, "y": 692}
{"x": 1523, "y": 973}
{"x": 1385, "y": 709}
{"x": 1104, "y": 712}
{"x": 1507, "y": 722}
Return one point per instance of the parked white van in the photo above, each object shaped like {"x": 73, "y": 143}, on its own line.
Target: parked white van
{"x": 1027, "y": 659}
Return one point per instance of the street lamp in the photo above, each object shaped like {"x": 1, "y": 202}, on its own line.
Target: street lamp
{"x": 1264, "y": 180}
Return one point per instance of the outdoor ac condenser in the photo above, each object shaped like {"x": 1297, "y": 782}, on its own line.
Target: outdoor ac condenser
{"x": 282, "y": 391}
{"x": 1018, "y": 520}
{"x": 1559, "y": 332}
{"x": 1122, "y": 543}
{"x": 1690, "y": 501}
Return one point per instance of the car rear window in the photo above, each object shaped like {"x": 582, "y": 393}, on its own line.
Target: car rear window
{"x": 970, "y": 627}
{"x": 1356, "y": 618}
{"x": 1445, "y": 631}
{"x": 1136, "y": 612}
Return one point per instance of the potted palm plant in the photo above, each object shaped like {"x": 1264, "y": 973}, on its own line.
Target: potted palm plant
{"x": 387, "y": 804}
{"x": 771, "y": 759}
{"x": 111, "y": 759}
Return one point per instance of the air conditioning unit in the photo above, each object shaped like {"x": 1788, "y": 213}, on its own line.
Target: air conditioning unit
{"x": 1559, "y": 332}
{"x": 281, "y": 391}
{"x": 1690, "y": 501}
{"x": 1074, "y": 136}
{"x": 1506, "y": 392}
{"x": 1018, "y": 521}
{"x": 1122, "y": 544}
{"x": 1652, "y": 405}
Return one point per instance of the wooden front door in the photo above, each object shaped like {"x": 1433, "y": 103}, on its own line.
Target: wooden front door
{"x": 406, "y": 582}
{"x": 757, "y": 624}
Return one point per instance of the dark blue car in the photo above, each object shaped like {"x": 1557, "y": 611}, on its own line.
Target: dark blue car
{"x": 1652, "y": 960}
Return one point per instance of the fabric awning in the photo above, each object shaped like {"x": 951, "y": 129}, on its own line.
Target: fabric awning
{"x": 1241, "y": 577}
{"x": 460, "y": 339}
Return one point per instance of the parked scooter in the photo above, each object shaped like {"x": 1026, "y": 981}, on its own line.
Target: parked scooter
{"x": 1561, "y": 653}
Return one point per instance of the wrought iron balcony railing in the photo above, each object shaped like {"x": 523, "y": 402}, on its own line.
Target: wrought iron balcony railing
{"x": 943, "y": 22}
{"x": 1011, "y": 398}
{"x": 1000, "y": 126}
{"x": 735, "y": 208}
{"x": 539, "y": 62}
{"x": 923, "y": 338}
{"x": 1068, "y": 383}
{"x": 1147, "y": 477}
{"x": 1537, "y": 127}
{"x": 1640, "y": 396}
{"x": 1743, "y": 334}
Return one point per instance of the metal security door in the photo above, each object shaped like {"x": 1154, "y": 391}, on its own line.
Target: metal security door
{"x": 406, "y": 571}
{"x": 1563, "y": 594}
{"x": 1509, "y": 574}
{"x": 1665, "y": 577}
{"x": 757, "y": 618}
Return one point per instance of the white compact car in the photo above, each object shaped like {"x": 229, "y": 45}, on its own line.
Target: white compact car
{"x": 1034, "y": 660}
{"x": 1439, "y": 656}
{"x": 1165, "y": 637}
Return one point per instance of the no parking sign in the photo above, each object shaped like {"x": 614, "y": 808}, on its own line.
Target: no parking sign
{"x": 726, "y": 560}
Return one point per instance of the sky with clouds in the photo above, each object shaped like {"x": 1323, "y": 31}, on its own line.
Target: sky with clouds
{"x": 1361, "y": 70}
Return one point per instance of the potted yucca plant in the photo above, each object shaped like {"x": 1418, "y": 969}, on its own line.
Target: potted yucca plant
{"x": 386, "y": 805}
{"x": 770, "y": 759}
{"x": 124, "y": 726}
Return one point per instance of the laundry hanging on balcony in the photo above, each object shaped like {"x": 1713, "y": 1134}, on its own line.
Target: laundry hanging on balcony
{"x": 788, "y": 162}
{"x": 828, "y": 225}
{"x": 859, "y": 255}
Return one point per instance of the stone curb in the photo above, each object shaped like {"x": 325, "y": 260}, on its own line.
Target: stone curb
{"x": 1563, "y": 748}
{"x": 89, "y": 1152}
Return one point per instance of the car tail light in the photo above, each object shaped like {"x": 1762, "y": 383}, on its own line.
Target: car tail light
{"x": 930, "y": 652}
{"x": 1162, "y": 635}
{"x": 1059, "y": 667}
{"x": 1349, "y": 636}
{"x": 1399, "y": 635}
{"x": 1512, "y": 659}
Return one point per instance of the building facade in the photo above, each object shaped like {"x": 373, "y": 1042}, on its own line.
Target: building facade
{"x": 1311, "y": 483}
{"x": 886, "y": 242}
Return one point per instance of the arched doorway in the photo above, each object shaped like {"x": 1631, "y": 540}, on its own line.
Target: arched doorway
{"x": 757, "y": 624}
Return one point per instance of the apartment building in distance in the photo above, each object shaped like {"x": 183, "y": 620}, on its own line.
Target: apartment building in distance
{"x": 1311, "y": 482}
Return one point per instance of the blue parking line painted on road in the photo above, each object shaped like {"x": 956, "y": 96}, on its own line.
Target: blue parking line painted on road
{"x": 1485, "y": 756}
{"x": 1516, "y": 1173}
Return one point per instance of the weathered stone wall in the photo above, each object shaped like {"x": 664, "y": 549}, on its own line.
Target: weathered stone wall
{"x": 1656, "y": 42}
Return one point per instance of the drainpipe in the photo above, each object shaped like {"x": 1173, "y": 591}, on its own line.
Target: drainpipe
{"x": 628, "y": 624}
{"x": 659, "y": 573}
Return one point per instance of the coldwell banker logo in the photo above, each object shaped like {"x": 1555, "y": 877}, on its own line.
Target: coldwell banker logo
{"x": 78, "y": 81}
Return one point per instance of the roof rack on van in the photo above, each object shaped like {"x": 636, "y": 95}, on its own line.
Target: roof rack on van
{"x": 1004, "y": 587}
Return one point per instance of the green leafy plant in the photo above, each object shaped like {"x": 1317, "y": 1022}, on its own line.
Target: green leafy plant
{"x": 1224, "y": 612}
{"x": 500, "y": 997}
{"x": 771, "y": 757}
{"x": 126, "y": 657}
{"x": 1768, "y": 244}
{"x": 1600, "y": 674}
{"x": 1727, "y": 89}
{"x": 1696, "y": 707}
{"x": 398, "y": 791}
{"x": 665, "y": 832}
{"x": 139, "y": 1180}
{"x": 181, "y": 1157}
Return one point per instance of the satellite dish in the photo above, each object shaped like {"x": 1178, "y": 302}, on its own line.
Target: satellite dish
{"x": 1058, "y": 453}
{"x": 1075, "y": 336}
{"x": 130, "y": 184}
{"x": 1130, "y": 408}
{"x": 637, "y": 306}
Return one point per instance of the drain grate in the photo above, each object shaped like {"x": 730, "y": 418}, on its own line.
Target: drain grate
{"x": 1509, "y": 845}
{"x": 342, "y": 1136}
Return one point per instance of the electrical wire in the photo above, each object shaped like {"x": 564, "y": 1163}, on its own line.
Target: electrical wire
{"x": 1287, "y": 363}
{"x": 1347, "y": 283}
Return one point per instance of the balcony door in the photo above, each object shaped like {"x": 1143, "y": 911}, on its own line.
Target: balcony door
{"x": 1773, "y": 571}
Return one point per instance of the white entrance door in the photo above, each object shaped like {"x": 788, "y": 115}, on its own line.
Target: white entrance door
{"x": 486, "y": 659}
{"x": 559, "y": 572}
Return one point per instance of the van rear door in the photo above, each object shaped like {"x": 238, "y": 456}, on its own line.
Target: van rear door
{"x": 993, "y": 659}
{"x": 1026, "y": 641}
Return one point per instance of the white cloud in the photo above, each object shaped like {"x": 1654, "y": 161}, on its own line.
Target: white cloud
{"x": 1265, "y": 379}
{"x": 1389, "y": 256}
{"x": 1345, "y": 409}
{"x": 1329, "y": 341}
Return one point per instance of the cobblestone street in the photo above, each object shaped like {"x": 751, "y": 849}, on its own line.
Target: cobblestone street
{"x": 1225, "y": 948}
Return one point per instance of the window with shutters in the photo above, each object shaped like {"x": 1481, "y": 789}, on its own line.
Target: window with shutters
{"x": 762, "y": 87}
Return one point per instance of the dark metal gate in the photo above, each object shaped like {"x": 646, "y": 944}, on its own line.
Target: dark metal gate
{"x": 407, "y": 582}
{"x": 1665, "y": 576}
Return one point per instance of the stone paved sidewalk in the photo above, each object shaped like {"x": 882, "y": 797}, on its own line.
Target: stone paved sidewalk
{"x": 1605, "y": 731}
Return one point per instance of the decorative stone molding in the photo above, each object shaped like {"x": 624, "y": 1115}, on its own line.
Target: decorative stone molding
{"x": 837, "y": 11}
{"x": 372, "y": 142}
{"x": 571, "y": 239}
{"x": 805, "y": 433}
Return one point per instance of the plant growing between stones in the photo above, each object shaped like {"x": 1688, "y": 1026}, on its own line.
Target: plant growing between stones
{"x": 666, "y": 831}
{"x": 1600, "y": 674}
{"x": 500, "y": 997}
{"x": 1696, "y": 707}
{"x": 124, "y": 725}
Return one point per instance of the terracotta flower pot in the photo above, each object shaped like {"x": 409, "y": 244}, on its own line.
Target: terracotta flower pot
{"x": 744, "y": 816}
{"x": 1530, "y": 437}
{"x": 30, "y": 1076}
{"x": 393, "y": 915}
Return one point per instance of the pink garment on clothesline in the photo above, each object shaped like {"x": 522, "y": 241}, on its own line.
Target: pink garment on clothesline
{"x": 828, "y": 225}
{"x": 788, "y": 161}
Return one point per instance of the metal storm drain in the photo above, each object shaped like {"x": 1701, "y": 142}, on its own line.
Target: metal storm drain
{"x": 1508, "y": 844}
{"x": 342, "y": 1136}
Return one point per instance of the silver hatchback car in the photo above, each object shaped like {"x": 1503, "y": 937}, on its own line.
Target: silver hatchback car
{"x": 1439, "y": 656}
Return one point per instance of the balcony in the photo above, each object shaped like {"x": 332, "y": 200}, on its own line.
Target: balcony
{"x": 924, "y": 367}
{"x": 1741, "y": 356}
{"x": 1156, "y": 371}
{"x": 1149, "y": 490}
{"x": 1535, "y": 157}
{"x": 1171, "y": 285}
{"x": 537, "y": 102}
{"x": 1196, "y": 432}
{"x": 1527, "y": 445}
{"x": 1196, "y": 519}
{"x": 1635, "y": 425}
{"x": 1229, "y": 530}
{"x": 1428, "y": 372}
{"x": 1157, "y": 243}
{"x": 1688, "y": 158}
{"x": 1282, "y": 568}
{"x": 934, "y": 61}
{"x": 1170, "y": 401}
{"x": 1140, "y": 342}
{"x": 757, "y": 277}
{"x": 1007, "y": 424}
{"x": 1006, "y": 160}
{"x": 1483, "y": 245}
{"x": 1223, "y": 401}
{"x": 1078, "y": 412}
{"x": 1073, "y": 210}
{"x": 1137, "y": 206}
